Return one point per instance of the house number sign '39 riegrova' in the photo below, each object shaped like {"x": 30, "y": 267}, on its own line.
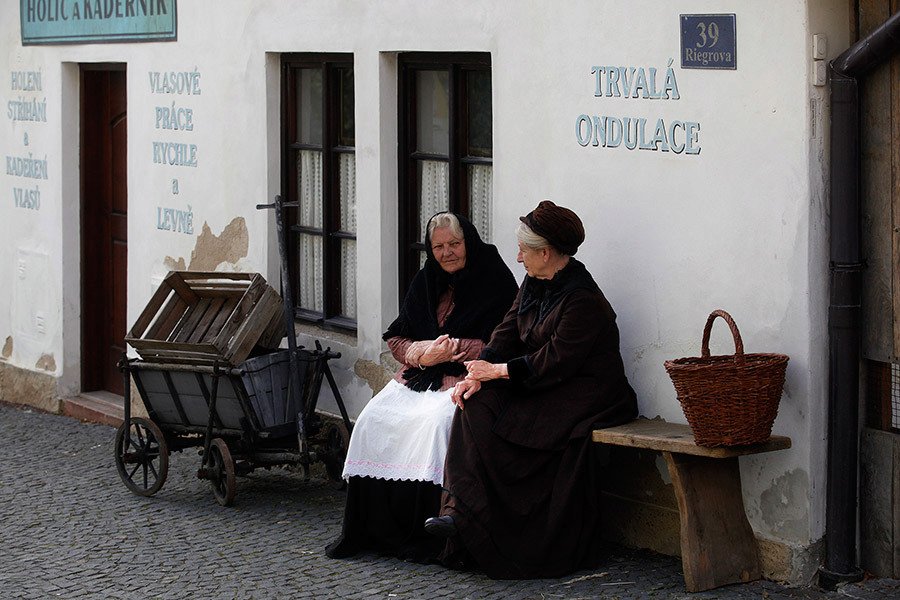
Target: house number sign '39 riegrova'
{"x": 707, "y": 42}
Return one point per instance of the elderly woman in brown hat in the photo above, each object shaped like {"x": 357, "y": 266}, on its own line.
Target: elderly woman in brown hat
{"x": 520, "y": 489}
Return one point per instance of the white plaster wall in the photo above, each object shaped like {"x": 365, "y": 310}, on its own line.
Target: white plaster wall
{"x": 828, "y": 17}
{"x": 670, "y": 237}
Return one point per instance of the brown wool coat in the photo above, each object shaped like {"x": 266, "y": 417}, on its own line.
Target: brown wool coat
{"x": 520, "y": 479}
{"x": 566, "y": 372}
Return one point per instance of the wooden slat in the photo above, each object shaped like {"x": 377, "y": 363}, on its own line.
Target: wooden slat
{"x": 240, "y": 312}
{"x": 876, "y": 501}
{"x": 175, "y": 279}
{"x": 274, "y": 333}
{"x": 199, "y": 333}
{"x": 248, "y": 333}
{"x": 199, "y": 276}
{"x": 677, "y": 438}
{"x": 877, "y": 237}
{"x": 187, "y": 360}
{"x": 168, "y": 317}
{"x": 173, "y": 346}
{"x": 895, "y": 484}
{"x": 215, "y": 328}
{"x": 277, "y": 399}
{"x": 223, "y": 283}
{"x": 150, "y": 311}
{"x": 218, "y": 284}
{"x": 894, "y": 193}
{"x": 144, "y": 365}
{"x": 191, "y": 320}
{"x": 217, "y": 292}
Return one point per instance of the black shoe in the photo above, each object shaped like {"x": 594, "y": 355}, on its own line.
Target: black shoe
{"x": 443, "y": 527}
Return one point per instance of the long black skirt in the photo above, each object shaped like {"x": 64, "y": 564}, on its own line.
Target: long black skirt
{"x": 520, "y": 512}
{"x": 387, "y": 517}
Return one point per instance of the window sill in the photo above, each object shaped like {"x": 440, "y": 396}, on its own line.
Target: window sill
{"x": 325, "y": 334}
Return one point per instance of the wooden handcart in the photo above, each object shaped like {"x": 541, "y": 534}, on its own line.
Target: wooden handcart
{"x": 242, "y": 418}
{"x": 209, "y": 378}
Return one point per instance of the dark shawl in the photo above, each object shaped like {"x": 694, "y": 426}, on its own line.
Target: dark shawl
{"x": 483, "y": 291}
{"x": 544, "y": 294}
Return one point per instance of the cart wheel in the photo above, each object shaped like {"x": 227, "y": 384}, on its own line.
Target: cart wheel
{"x": 220, "y": 468}
{"x": 336, "y": 443}
{"x": 143, "y": 462}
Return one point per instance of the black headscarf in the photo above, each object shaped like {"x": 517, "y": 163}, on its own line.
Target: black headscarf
{"x": 483, "y": 290}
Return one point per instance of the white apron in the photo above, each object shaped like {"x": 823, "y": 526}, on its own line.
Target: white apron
{"x": 401, "y": 434}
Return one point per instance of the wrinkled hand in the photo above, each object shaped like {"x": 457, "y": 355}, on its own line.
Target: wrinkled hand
{"x": 442, "y": 349}
{"x": 415, "y": 351}
{"x": 463, "y": 390}
{"x": 482, "y": 370}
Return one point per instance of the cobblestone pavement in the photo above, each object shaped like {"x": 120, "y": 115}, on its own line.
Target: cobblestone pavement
{"x": 70, "y": 529}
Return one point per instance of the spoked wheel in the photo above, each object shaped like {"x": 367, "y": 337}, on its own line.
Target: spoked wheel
{"x": 220, "y": 471}
{"x": 337, "y": 441}
{"x": 142, "y": 461}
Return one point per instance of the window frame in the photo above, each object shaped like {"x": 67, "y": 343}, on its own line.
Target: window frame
{"x": 458, "y": 65}
{"x": 331, "y": 65}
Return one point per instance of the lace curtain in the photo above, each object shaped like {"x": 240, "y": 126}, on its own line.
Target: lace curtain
{"x": 434, "y": 194}
{"x": 347, "y": 166}
{"x": 481, "y": 198}
{"x": 309, "y": 185}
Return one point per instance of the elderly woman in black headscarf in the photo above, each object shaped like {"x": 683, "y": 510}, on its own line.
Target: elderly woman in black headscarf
{"x": 521, "y": 493}
{"x": 395, "y": 460}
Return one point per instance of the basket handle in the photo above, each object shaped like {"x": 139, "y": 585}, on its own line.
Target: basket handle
{"x": 738, "y": 342}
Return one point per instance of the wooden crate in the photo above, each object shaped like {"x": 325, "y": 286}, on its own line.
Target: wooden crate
{"x": 206, "y": 318}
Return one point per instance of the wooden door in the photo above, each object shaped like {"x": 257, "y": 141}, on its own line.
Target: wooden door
{"x": 104, "y": 226}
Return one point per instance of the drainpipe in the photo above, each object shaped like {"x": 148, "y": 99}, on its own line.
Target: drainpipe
{"x": 844, "y": 310}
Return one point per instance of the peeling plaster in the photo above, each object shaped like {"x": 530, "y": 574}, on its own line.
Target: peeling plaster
{"x": 46, "y": 363}
{"x": 784, "y": 506}
{"x": 175, "y": 265}
{"x": 373, "y": 374}
{"x": 7, "y": 348}
{"x": 789, "y": 563}
{"x": 211, "y": 250}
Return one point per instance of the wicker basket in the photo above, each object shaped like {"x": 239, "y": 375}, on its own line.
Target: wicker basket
{"x": 729, "y": 400}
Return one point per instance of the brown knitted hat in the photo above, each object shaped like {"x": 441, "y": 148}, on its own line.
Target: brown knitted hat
{"x": 558, "y": 225}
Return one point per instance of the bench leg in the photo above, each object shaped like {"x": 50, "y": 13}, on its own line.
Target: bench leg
{"x": 717, "y": 543}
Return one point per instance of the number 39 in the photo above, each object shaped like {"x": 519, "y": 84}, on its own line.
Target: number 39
{"x": 709, "y": 33}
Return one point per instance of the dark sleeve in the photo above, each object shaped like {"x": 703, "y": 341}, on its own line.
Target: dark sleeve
{"x": 581, "y": 323}
{"x": 410, "y": 309}
{"x": 505, "y": 342}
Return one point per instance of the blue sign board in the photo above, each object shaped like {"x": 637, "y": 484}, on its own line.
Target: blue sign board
{"x": 708, "y": 42}
{"x": 88, "y": 21}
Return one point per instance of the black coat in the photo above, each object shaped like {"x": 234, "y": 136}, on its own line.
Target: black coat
{"x": 562, "y": 351}
{"x": 519, "y": 478}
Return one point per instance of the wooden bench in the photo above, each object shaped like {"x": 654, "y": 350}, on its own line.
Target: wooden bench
{"x": 717, "y": 543}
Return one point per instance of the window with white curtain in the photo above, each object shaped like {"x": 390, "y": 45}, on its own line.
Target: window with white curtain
{"x": 320, "y": 177}
{"x": 446, "y": 147}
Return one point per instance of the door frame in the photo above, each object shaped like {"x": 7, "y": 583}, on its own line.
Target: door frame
{"x": 97, "y": 379}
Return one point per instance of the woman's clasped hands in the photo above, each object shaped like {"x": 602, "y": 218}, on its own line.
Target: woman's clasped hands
{"x": 479, "y": 371}
{"x": 426, "y": 353}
